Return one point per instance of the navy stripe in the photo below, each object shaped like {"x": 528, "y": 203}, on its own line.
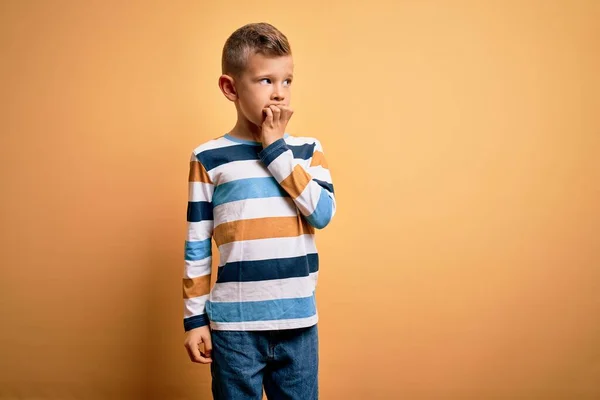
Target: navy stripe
{"x": 304, "y": 151}
{"x": 199, "y": 211}
{"x": 325, "y": 185}
{"x": 272, "y": 151}
{"x": 195, "y": 322}
{"x": 216, "y": 157}
{"x": 263, "y": 270}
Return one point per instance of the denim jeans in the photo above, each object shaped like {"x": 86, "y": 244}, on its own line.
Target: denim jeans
{"x": 285, "y": 362}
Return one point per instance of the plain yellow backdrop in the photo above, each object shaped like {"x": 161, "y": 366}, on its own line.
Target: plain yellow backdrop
{"x": 463, "y": 139}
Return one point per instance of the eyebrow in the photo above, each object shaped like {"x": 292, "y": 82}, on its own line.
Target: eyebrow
{"x": 266, "y": 74}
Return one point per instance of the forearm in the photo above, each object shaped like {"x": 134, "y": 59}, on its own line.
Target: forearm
{"x": 313, "y": 197}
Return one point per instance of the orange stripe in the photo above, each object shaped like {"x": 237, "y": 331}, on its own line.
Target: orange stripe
{"x": 295, "y": 183}
{"x": 196, "y": 287}
{"x": 261, "y": 228}
{"x": 318, "y": 158}
{"x": 198, "y": 173}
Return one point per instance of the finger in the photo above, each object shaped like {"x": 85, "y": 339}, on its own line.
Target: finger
{"x": 269, "y": 113}
{"x": 286, "y": 113}
{"x": 201, "y": 358}
{"x": 276, "y": 113}
{"x": 195, "y": 356}
{"x": 207, "y": 345}
{"x": 193, "y": 352}
{"x": 204, "y": 359}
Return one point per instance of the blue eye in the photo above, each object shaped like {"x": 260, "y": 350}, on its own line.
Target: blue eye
{"x": 265, "y": 79}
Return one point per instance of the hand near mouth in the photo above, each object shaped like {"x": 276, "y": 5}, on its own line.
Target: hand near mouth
{"x": 275, "y": 122}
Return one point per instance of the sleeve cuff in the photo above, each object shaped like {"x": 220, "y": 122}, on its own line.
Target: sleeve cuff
{"x": 195, "y": 322}
{"x": 272, "y": 151}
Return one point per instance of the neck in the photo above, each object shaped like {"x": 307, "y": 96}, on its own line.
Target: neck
{"x": 244, "y": 129}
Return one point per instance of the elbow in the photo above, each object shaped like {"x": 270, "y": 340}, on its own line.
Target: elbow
{"x": 319, "y": 220}
{"x": 320, "y": 224}
{"x": 324, "y": 211}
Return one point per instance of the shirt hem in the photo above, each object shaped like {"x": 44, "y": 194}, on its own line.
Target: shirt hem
{"x": 265, "y": 325}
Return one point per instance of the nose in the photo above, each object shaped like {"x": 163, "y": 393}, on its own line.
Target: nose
{"x": 278, "y": 93}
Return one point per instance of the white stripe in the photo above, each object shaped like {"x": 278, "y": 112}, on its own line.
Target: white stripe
{"x": 265, "y": 325}
{"x": 321, "y": 173}
{"x": 282, "y": 165}
{"x": 299, "y": 140}
{"x": 243, "y": 169}
{"x": 254, "y": 208}
{"x": 200, "y": 191}
{"x": 194, "y": 306}
{"x": 267, "y": 249}
{"x": 199, "y": 230}
{"x": 214, "y": 144}
{"x": 265, "y": 290}
{"x": 309, "y": 198}
{"x": 318, "y": 146}
{"x": 196, "y": 268}
{"x": 333, "y": 204}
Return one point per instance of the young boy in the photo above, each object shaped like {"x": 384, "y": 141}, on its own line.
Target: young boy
{"x": 260, "y": 193}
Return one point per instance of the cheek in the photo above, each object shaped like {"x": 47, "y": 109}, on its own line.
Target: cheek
{"x": 253, "y": 111}
{"x": 252, "y": 102}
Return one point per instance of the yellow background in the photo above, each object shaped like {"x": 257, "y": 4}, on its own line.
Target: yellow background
{"x": 463, "y": 137}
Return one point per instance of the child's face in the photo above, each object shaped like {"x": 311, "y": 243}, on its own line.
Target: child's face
{"x": 265, "y": 81}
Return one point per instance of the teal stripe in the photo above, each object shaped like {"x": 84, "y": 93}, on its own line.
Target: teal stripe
{"x": 197, "y": 250}
{"x": 267, "y": 310}
{"x": 250, "y": 188}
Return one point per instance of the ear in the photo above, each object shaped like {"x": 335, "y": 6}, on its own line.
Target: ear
{"x": 227, "y": 86}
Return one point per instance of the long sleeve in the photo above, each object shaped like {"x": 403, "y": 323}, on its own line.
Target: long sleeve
{"x": 198, "y": 250}
{"x": 311, "y": 188}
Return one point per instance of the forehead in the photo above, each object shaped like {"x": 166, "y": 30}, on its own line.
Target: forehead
{"x": 259, "y": 64}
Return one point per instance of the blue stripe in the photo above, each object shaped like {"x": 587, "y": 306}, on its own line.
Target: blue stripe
{"x": 197, "y": 250}
{"x": 262, "y": 270}
{"x": 199, "y": 211}
{"x": 322, "y": 214}
{"x": 243, "y": 141}
{"x": 325, "y": 185}
{"x": 195, "y": 322}
{"x": 267, "y": 310}
{"x": 251, "y": 188}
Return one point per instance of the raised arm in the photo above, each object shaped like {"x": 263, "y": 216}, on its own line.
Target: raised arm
{"x": 311, "y": 188}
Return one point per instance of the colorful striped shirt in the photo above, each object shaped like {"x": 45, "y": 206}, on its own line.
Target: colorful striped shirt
{"x": 261, "y": 207}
